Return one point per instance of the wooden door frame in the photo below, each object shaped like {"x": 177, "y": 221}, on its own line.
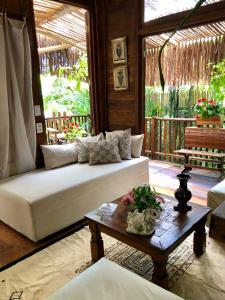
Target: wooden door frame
{"x": 96, "y": 74}
{"x": 210, "y": 13}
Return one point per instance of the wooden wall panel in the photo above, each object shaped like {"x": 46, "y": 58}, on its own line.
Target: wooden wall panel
{"x": 123, "y": 106}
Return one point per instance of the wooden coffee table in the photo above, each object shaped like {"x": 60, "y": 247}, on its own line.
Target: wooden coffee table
{"x": 171, "y": 230}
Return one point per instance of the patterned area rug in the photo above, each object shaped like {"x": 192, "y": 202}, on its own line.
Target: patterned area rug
{"x": 41, "y": 274}
{"x": 141, "y": 264}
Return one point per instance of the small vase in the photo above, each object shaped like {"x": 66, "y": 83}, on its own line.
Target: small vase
{"x": 142, "y": 223}
{"x": 182, "y": 194}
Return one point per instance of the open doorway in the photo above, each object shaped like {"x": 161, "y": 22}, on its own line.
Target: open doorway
{"x": 193, "y": 64}
{"x": 62, "y": 46}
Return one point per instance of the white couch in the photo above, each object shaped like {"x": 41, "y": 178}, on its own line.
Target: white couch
{"x": 106, "y": 280}
{"x": 216, "y": 195}
{"x": 42, "y": 202}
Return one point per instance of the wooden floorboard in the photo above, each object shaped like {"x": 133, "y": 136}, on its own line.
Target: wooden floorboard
{"x": 163, "y": 177}
{"x": 15, "y": 247}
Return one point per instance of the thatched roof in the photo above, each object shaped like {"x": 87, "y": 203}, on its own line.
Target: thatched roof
{"x": 190, "y": 35}
{"x": 61, "y": 22}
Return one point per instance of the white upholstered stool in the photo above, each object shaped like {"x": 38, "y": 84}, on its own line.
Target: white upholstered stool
{"x": 106, "y": 280}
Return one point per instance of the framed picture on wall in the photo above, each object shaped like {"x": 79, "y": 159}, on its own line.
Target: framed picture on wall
{"x": 120, "y": 76}
{"x": 119, "y": 49}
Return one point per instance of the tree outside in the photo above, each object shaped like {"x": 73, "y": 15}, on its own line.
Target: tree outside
{"x": 68, "y": 91}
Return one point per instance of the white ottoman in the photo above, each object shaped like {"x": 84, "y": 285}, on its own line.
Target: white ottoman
{"x": 106, "y": 280}
{"x": 216, "y": 195}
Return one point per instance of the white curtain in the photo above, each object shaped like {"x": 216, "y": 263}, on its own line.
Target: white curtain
{"x": 17, "y": 123}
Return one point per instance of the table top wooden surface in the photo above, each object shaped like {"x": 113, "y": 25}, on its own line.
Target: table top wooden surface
{"x": 171, "y": 228}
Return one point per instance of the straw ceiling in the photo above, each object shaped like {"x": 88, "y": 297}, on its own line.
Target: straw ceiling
{"x": 188, "y": 35}
{"x": 64, "y": 23}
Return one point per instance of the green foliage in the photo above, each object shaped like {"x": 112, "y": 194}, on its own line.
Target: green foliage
{"x": 208, "y": 108}
{"x": 75, "y": 131}
{"x": 152, "y": 105}
{"x": 145, "y": 196}
{"x": 69, "y": 91}
{"x": 217, "y": 82}
{"x": 78, "y": 72}
{"x": 175, "y": 101}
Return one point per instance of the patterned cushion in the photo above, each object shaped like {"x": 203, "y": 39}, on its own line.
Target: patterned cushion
{"x": 104, "y": 152}
{"x": 124, "y": 139}
{"x": 136, "y": 145}
{"x": 82, "y": 146}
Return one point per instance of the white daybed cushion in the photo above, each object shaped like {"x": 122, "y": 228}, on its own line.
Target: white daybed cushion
{"x": 106, "y": 280}
{"x": 41, "y": 202}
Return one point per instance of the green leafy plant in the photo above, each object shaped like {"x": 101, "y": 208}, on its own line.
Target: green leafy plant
{"x": 78, "y": 72}
{"x": 69, "y": 91}
{"x": 143, "y": 197}
{"x": 217, "y": 81}
{"x": 74, "y": 131}
{"x": 208, "y": 108}
{"x": 152, "y": 106}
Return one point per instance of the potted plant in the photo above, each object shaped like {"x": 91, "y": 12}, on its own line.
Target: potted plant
{"x": 209, "y": 112}
{"x": 74, "y": 131}
{"x": 145, "y": 205}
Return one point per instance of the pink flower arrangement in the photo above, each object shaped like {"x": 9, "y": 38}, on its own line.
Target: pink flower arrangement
{"x": 128, "y": 199}
{"x": 143, "y": 197}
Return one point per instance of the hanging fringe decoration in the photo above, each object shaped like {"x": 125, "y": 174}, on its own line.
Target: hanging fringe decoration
{"x": 186, "y": 63}
{"x": 50, "y": 62}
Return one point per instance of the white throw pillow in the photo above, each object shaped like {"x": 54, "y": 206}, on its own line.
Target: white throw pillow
{"x": 59, "y": 155}
{"x": 82, "y": 146}
{"x": 136, "y": 145}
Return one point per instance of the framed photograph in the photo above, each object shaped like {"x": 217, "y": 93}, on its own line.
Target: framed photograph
{"x": 119, "y": 49}
{"x": 120, "y": 76}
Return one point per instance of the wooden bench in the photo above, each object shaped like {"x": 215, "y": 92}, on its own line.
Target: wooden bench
{"x": 209, "y": 139}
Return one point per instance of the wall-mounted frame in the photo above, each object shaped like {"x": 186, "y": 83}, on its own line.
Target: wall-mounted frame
{"x": 119, "y": 49}
{"x": 120, "y": 76}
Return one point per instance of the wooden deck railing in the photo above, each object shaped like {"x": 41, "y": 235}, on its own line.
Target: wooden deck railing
{"x": 63, "y": 122}
{"x": 164, "y": 135}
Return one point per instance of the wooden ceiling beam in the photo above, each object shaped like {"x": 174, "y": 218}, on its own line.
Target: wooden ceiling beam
{"x": 62, "y": 39}
{"x": 211, "y": 13}
{"x": 53, "y": 48}
{"x": 58, "y": 14}
{"x": 55, "y": 36}
{"x": 86, "y": 4}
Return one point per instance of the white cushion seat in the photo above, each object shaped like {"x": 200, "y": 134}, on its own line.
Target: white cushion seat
{"x": 42, "y": 202}
{"x": 216, "y": 195}
{"x": 106, "y": 280}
